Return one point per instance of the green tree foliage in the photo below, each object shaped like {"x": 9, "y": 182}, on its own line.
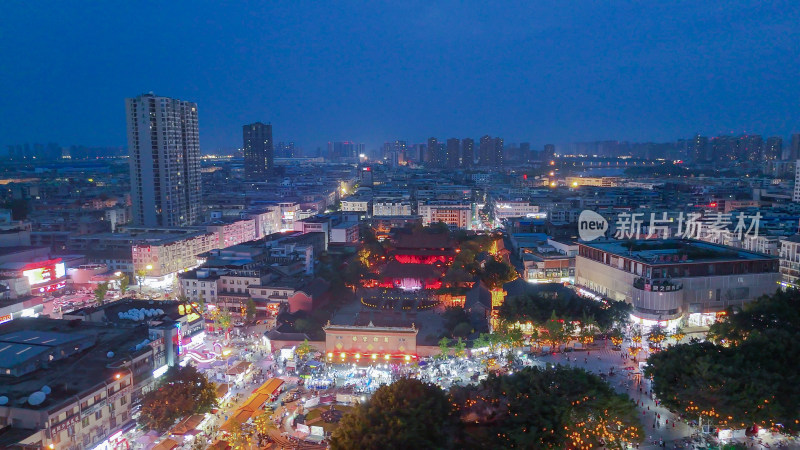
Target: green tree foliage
{"x": 538, "y": 307}
{"x": 184, "y": 391}
{"x": 497, "y": 273}
{"x": 250, "y": 309}
{"x": 224, "y": 319}
{"x": 749, "y": 376}
{"x": 303, "y": 349}
{"x": 100, "y": 293}
{"x": 460, "y": 348}
{"x": 407, "y": 414}
{"x": 444, "y": 348}
{"x": 537, "y": 408}
{"x": 124, "y": 284}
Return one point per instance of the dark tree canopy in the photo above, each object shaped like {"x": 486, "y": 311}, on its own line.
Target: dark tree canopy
{"x": 407, "y": 414}
{"x": 539, "y": 307}
{"x": 184, "y": 391}
{"x": 537, "y": 408}
{"x": 749, "y": 377}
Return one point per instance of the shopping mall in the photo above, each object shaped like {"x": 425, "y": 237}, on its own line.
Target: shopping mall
{"x": 667, "y": 280}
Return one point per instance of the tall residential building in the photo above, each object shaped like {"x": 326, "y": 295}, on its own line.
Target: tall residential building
{"x": 164, "y": 148}
{"x": 453, "y": 152}
{"x": 698, "y": 148}
{"x": 286, "y": 150}
{"x": 549, "y": 152}
{"x": 796, "y": 196}
{"x": 750, "y": 147}
{"x": 794, "y": 149}
{"x": 344, "y": 150}
{"x": 467, "y": 152}
{"x": 773, "y": 149}
{"x": 259, "y": 153}
{"x": 432, "y": 155}
{"x": 491, "y": 152}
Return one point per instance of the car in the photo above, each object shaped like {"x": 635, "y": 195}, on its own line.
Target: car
{"x": 238, "y": 324}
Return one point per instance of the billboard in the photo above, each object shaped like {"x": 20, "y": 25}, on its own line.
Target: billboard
{"x": 45, "y": 274}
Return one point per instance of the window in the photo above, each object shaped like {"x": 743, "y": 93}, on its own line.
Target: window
{"x": 85, "y": 422}
{"x": 375, "y": 339}
{"x": 122, "y": 400}
{"x": 386, "y": 339}
{"x": 98, "y": 415}
{"x": 355, "y": 338}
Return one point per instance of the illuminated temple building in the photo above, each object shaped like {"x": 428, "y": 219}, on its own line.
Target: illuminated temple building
{"x": 419, "y": 260}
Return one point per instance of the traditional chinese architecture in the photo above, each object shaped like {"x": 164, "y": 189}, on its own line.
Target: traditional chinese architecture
{"x": 350, "y": 343}
{"x": 419, "y": 260}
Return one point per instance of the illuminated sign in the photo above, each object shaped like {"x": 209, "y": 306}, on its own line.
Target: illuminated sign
{"x": 45, "y": 274}
{"x": 5, "y": 318}
{"x": 160, "y": 371}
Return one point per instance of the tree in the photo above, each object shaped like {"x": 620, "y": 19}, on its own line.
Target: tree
{"x": 460, "y": 348}
{"x": 124, "y": 284}
{"x": 616, "y": 336}
{"x": 497, "y": 273}
{"x": 538, "y": 408}
{"x": 657, "y": 335}
{"x": 224, "y": 320}
{"x": 747, "y": 376}
{"x": 100, "y": 293}
{"x": 406, "y": 414}
{"x": 462, "y": 330}
{"x": 444, "y": 348}
{"x": 184, "y": 391}
{"x": 303, "y": 349}
{"x": 250, "y": 310}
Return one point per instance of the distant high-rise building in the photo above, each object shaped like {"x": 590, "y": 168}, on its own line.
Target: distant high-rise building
{"x": 750, "y": 147}
{"x": 344, "y": 150}
{"x": 549, "y": 152}
{"x": 491, "y": 151}
{"x": 164, "y": 148}
{"x": 453, "y": 152}
{"x": 467, "y": 152}
{"x": 259, "y": 153}
{"x": 286, "y": 150}
{"x": 773, "y": 149}
{"x": 525, "y": 151}
{"x": 796, "y": 196}
{"x": 794, "y": 148}
{"x": 432, "y": 155}
{"x": 698, "y": 149}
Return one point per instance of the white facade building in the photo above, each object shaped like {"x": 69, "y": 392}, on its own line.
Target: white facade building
{"x": 164, "y": 148}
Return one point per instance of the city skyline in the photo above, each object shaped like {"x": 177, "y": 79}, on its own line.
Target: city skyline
{"x": 559, "y": 74}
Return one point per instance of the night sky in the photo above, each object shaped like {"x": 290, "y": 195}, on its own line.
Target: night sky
{"x": 373, "y": 71}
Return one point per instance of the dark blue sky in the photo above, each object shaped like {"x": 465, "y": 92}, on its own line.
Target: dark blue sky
{"x": 373, "y": 71}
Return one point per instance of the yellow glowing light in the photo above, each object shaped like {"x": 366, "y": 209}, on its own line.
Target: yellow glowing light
{"x": 408, "y": 358}
{"x": 330, "y": 355}
{"x": 386, "y": 357}
{"x": 374, "y": 356}
{"x": 226, "y": 352}
{"x": 149, "y": 267}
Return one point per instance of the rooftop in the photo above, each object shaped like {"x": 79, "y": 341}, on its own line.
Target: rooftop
{"x": 74, "y": 374}
{"x": 671, "y": 251}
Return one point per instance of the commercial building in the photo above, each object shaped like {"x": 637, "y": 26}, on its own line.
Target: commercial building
{"x": 506, "y": 209}
{"x": 350, "y": 344}
{"x": 68, "y": 385}
{"x": 671, "y": 278}
{"x": 391, "y": 206}
{"x": 594, "y": 181}
{"x": 790, "y": 261}
{"x": 164, "y": 147}
{"x": 455, "y": 214}
{"x": 259, "y": 153}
